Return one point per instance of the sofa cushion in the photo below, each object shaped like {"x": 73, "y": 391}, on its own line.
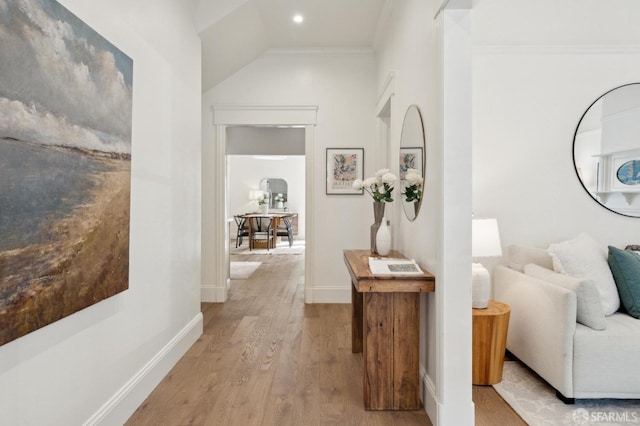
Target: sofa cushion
{"x": 625, "y": 266}
{"x": 583, "y": 257}
{"x": 605, "y": 363}
{"x": 520, "y": 256}
{"x": 589, "y": 305}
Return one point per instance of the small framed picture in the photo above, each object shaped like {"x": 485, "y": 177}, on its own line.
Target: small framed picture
{"x": 344, "y": 165}
{"x": 410, "y": 158}
{"x": 626, "y": 173}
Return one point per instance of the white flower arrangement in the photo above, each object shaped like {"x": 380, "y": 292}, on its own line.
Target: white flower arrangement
{"x": 379, "y": 187}
{"x": 413, "y": 190}
{"x": 264, "y": 200}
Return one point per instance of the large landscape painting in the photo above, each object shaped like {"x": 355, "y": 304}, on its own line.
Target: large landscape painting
{"x": 65, "y": 166}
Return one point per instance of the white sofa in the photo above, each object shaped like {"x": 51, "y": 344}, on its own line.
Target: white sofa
{"x": 577, "y": 360}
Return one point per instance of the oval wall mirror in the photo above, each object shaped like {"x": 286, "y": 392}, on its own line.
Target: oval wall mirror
{"x": 606, "y": 150}
{"x": 412, "y": 162}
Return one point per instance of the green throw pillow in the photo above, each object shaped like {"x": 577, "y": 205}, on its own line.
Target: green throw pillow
{"x": 625, "y": 267}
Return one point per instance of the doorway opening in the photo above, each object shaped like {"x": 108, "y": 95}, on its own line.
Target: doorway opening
{"x": 265, "y": 188}
{"x": 215, "y": 205}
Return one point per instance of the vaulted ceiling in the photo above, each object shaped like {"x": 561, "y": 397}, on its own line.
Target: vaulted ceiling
{"x": 235, "y": 32}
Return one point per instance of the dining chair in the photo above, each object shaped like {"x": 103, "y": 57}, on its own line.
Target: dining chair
{"x": 243, "y": 230}
{"x": 261, "y": 229}
{"x": 285, "y": 230}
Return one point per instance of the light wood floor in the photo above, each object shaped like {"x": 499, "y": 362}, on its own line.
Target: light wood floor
{"x": 266, "y": 358}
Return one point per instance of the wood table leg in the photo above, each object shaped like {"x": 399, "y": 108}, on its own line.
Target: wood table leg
{"x": 378, "y": 351}
{"x": 406, "y": 356}
{"x": 356, "y": 321}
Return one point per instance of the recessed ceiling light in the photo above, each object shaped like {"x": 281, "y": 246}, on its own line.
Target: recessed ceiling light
{"x": 297, "y": 18}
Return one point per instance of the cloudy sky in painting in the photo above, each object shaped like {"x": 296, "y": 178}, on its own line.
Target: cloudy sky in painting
{"x": 60, "y": 82}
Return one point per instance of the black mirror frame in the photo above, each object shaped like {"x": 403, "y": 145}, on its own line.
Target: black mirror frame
{"x": 575, "y": 135}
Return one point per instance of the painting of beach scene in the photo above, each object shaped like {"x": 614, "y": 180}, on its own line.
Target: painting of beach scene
{"x": 65, "y": 166}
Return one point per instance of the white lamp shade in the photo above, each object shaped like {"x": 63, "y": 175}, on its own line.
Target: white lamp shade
{"x": 256, "y": 195}
{"x": 485, "y": 238}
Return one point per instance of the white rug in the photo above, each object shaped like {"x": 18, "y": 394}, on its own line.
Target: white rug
{"x": 535, "y": 401}
{"x": 281, "y": 248}
{"x": 242, "y": 270}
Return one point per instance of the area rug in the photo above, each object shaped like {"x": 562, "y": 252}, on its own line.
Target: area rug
{"x": 535, "y": 401}
{"x": 242, "y": 270}
{"x": 281, "y": 248}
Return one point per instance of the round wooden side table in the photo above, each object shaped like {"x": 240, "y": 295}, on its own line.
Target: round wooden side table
{"x": 490, "y": 328}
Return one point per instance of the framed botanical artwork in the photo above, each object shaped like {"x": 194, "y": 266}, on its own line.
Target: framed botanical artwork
{"x": 410, "y": 158}
{"x": 344, "y": 165}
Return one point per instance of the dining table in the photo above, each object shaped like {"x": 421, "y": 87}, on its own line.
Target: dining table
{"x": 277, "y": 221}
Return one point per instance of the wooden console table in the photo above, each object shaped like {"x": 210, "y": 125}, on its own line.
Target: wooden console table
{"x": 385, "y": 327}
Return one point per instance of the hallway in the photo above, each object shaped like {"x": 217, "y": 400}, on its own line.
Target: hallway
{"x": 266, "y": 358}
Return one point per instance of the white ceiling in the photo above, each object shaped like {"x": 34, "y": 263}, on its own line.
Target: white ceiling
{"x": 235, "y": 32}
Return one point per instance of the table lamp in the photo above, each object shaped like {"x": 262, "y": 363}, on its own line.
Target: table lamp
{"x": 485, "y": 242}
{"x": 255, "y": 195}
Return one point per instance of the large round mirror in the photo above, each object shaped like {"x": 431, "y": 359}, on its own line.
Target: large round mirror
{"x": 412, "y": 162}
{"x": 606, "y": 150}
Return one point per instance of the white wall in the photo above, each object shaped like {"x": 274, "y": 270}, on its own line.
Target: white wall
{"x": 342, "y": 85}
{"x": 409, "y": 50}
{"x": 422, "y": 53}
{"x": 245, "y": 173}
{"x": 537, "y": 67}
{"x": 74, "y": 370}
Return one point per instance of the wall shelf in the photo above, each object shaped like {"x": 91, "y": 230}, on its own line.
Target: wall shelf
{"x": 629, "y": 196}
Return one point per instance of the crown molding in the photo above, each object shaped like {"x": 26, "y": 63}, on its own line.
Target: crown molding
{"x": 562, "y": 49}
{"x": 328, "y": 51}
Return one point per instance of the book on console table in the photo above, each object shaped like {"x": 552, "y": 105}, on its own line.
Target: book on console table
{"x": 393, "y": 266}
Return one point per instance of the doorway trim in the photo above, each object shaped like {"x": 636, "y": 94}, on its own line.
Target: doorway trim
{"x": 215, "y": 228}
{"x": 384, "y": 107}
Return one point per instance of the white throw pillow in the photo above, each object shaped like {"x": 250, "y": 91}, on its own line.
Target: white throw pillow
{"x": 583, "y": 257}
{"x": 519, "y": 256}
{"x": 590, "y": 311}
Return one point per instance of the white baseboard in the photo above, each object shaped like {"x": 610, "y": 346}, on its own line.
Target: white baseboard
{"x": 208, "y": 294}
{"x": 213, "y": 294}
{"x": 329, "y": 294}
{"x": 124, "y": 403}
{"x": 428, "y": 391}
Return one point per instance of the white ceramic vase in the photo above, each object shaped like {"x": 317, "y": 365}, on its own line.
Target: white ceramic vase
{"x": 264, "y": 208}
{"x": 480, "y": 286}
{"x": 383, "y": 238}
